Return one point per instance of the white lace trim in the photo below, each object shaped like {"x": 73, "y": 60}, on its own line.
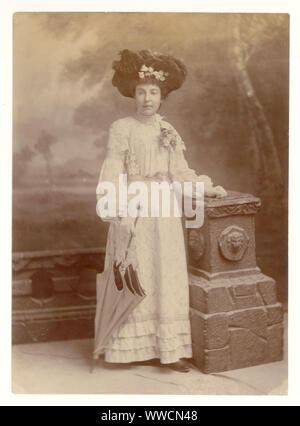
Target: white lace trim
{"x": 149, "y": 339}
{"x": 140, "y": 342}
{"x": 162, "y": 330}
{"x": 149, "y": 353}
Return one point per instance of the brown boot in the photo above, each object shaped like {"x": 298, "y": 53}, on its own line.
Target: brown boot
{"x": 182, "y": 366}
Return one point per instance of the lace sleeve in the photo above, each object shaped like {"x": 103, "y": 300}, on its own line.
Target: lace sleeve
{"x": 114, "y": 162}
{"x": 117, "y": 145}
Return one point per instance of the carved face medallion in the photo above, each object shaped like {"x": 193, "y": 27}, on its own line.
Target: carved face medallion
{"x": 233, "y": 243}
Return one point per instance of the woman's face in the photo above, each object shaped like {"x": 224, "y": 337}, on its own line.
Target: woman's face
{"x": 147, "y": 98}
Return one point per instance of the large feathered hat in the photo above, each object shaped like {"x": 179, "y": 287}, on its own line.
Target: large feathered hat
{"x": 146, "y": 66}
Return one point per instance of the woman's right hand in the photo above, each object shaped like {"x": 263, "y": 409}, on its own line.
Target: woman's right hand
{"x": 127, "y": 225}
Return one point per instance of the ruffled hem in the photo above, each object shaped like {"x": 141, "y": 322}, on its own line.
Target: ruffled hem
{"x": 162, "y": 330}
{"x": 149, "y": 339}
{"x": 144, "y": 354}
{"x": 141, "y": 342}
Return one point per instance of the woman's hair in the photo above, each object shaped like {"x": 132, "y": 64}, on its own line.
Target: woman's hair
{"x": 145, "y": 66}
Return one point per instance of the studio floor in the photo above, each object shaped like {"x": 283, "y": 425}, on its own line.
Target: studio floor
{"x": 63, "y": 368}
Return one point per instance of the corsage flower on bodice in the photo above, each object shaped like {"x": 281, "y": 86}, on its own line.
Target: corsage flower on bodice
{"x": 170, "y": 139}
{"x": 150, "y": 147}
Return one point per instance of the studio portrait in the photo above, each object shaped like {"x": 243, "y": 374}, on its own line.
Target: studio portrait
{"x": 150, "y": 203}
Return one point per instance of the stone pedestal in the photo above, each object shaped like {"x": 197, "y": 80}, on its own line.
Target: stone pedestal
{"x": 235, "y": 315}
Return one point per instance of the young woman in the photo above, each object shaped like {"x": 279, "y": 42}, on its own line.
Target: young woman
{"x": 148, "y": 148}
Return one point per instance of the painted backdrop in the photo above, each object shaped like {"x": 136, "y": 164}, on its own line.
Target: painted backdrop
{"x": 232, "y": 113}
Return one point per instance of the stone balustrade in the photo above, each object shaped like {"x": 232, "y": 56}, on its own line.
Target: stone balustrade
{"x": 54, "y": 294}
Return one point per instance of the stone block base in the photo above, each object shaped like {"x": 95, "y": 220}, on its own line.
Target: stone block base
{"x": 66, "y": 316}
{"x": 236, "y": 322}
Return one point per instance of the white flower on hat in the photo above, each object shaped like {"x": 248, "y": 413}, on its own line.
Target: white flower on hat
{"x": 148, "y": 71}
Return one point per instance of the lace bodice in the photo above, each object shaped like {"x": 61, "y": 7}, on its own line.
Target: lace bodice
{"x": 129, "y": 139}
{"x": 134, "y": 147}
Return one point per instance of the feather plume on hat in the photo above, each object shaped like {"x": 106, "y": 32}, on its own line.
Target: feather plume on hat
{"x": 166, "y": 71}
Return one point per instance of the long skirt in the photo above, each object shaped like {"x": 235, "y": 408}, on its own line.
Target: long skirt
{"x": 159, "y": 327}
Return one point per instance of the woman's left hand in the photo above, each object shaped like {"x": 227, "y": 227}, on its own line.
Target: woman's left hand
{"x": 215, "y": 192}
{"x": 220, "y": 191}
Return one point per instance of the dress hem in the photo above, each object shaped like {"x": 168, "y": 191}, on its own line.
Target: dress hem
{"x": 165, "y": 357}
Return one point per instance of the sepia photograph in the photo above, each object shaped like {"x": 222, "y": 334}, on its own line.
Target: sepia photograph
{"x": 150, "y": 185}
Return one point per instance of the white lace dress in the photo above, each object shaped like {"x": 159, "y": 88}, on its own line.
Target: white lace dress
{"x": 159, "y": 327}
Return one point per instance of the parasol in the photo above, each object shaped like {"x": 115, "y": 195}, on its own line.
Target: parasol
{"x": 119, "y": 291}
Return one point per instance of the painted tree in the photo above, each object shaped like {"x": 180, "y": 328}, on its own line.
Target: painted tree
{"x": 21, "y": 160}
{"x": 43, "y": 147}
{"x": 247, "y": 33}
